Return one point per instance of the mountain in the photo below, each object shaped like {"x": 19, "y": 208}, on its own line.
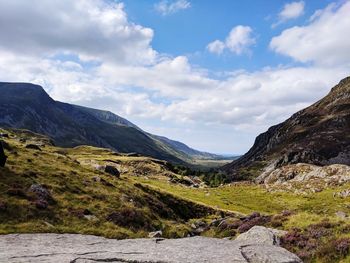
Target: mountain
{"x": 185, "y": 149}
{"x": 319, "y": 134}
{"x": 28, "y": 106}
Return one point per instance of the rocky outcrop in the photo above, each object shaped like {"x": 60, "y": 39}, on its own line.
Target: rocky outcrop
{"x": 319, "y": 134}
{"x": 84, "y": 248}
{"x": 337, "y": 174}
{"x": 3, "y": 157}
{"x": 305, "y": 177}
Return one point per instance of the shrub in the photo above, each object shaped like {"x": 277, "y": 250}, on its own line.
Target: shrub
{"x": 130, "y": 217}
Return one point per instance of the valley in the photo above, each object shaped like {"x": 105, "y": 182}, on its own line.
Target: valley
{"x": 292, "y": 187}
{"x": 47, "y": 189}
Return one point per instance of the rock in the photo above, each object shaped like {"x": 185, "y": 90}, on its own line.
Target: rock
{"x": 33, "y": 147}
{"x": 96, "y": 179}
{"x": 90, "y": 217}
{"x": 40, "y": 191}
{"x": 73, "y": 248}
{"x": 341, "y": 214}
{"x": 309, "y": 177}
{"x": 3, "y": 157}
{"x": 261, "y": 235}
{"x": 112, "y": 171}
{"x": 4, "y": 135}
{"x": 6, "y": 146}
{"x": 342, "y": 194}
{"x": 264, "y": 253}
{"x": 155, "y": 234}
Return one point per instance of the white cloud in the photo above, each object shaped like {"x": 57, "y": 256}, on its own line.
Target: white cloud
{"x": 291, "y": 11}
{"x": 166, "y": 7}
{"x": 216, "y": 47}
{"x": 238, "y": 41}
{"x": 323, "y": 41}
{"x": 92, "y": 29}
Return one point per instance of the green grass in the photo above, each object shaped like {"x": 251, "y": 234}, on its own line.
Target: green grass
{"x": 71, "y": 178}
{"x": 247, "y": 198}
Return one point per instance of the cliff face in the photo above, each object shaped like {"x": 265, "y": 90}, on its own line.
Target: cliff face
{"x": 319, "y": 134}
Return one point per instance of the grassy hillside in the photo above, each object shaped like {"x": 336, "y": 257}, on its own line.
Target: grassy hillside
{"x": 64, "y": 190}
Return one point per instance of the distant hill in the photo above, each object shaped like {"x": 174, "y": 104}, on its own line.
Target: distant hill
{"x": 185, "y": 149}
{"x": 319, "y": 134}
{"x": 28, "y": 106}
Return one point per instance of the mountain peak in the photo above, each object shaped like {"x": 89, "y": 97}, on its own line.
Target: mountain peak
{"x": 24, "y": 91}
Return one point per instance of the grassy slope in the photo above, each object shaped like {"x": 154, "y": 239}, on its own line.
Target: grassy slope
{"x": 247, "y": 198}
{"x": 71, "y": 179}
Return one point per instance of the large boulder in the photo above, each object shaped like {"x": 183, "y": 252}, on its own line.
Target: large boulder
{"x": 85, "y": 248}
{"x": 261, "y": 235}
{"x": 112, "y": 170}
{"x": 3, "y": 157}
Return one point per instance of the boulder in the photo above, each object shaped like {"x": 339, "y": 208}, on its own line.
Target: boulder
{"x": 40, "y": 191}
{"x": 264, "y": 253}
{"x": 3, "y": 157}
{"x": 86, "y": 248}
{"x": 112, "y": 171}
{"x": 43, "y": 196}
{"x": 261, "y": 235}
{"x": 155, "y": 234}
{"x": 341, "y": 214}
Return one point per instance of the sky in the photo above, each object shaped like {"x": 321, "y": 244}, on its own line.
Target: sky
{"x": 212, "y": 74}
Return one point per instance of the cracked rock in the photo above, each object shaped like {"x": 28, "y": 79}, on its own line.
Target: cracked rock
{"x": 74, "y": 248}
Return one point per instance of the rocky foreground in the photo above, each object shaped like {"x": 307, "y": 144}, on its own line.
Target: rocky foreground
{"x": 258, "y": 245}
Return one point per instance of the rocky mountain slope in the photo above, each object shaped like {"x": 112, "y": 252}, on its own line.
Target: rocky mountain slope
{"x": 28, "y": 106}
{"x": 319, "y": 134}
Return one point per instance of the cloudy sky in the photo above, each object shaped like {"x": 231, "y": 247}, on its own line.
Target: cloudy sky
{"x": 212, "y": 74}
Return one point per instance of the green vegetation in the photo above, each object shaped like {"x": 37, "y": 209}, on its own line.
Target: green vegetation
{"x": 83, "y": 198}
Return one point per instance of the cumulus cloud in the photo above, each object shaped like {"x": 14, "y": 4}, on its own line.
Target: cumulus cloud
{"x": 165, "y": 7}
{"x": 238, "y": 41}
{"x": 93, "y": 29}
{"x": 324, "y": 40}
{"x": 216, "y": 47}
{"x": 290, "y": 11}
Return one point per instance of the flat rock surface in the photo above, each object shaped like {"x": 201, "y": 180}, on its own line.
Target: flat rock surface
{"x": 85, "y": 248}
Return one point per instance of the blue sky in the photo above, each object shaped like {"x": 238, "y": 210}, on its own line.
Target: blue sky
{"x": 212, "y": 74}
{"x": 189, "y": 31}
